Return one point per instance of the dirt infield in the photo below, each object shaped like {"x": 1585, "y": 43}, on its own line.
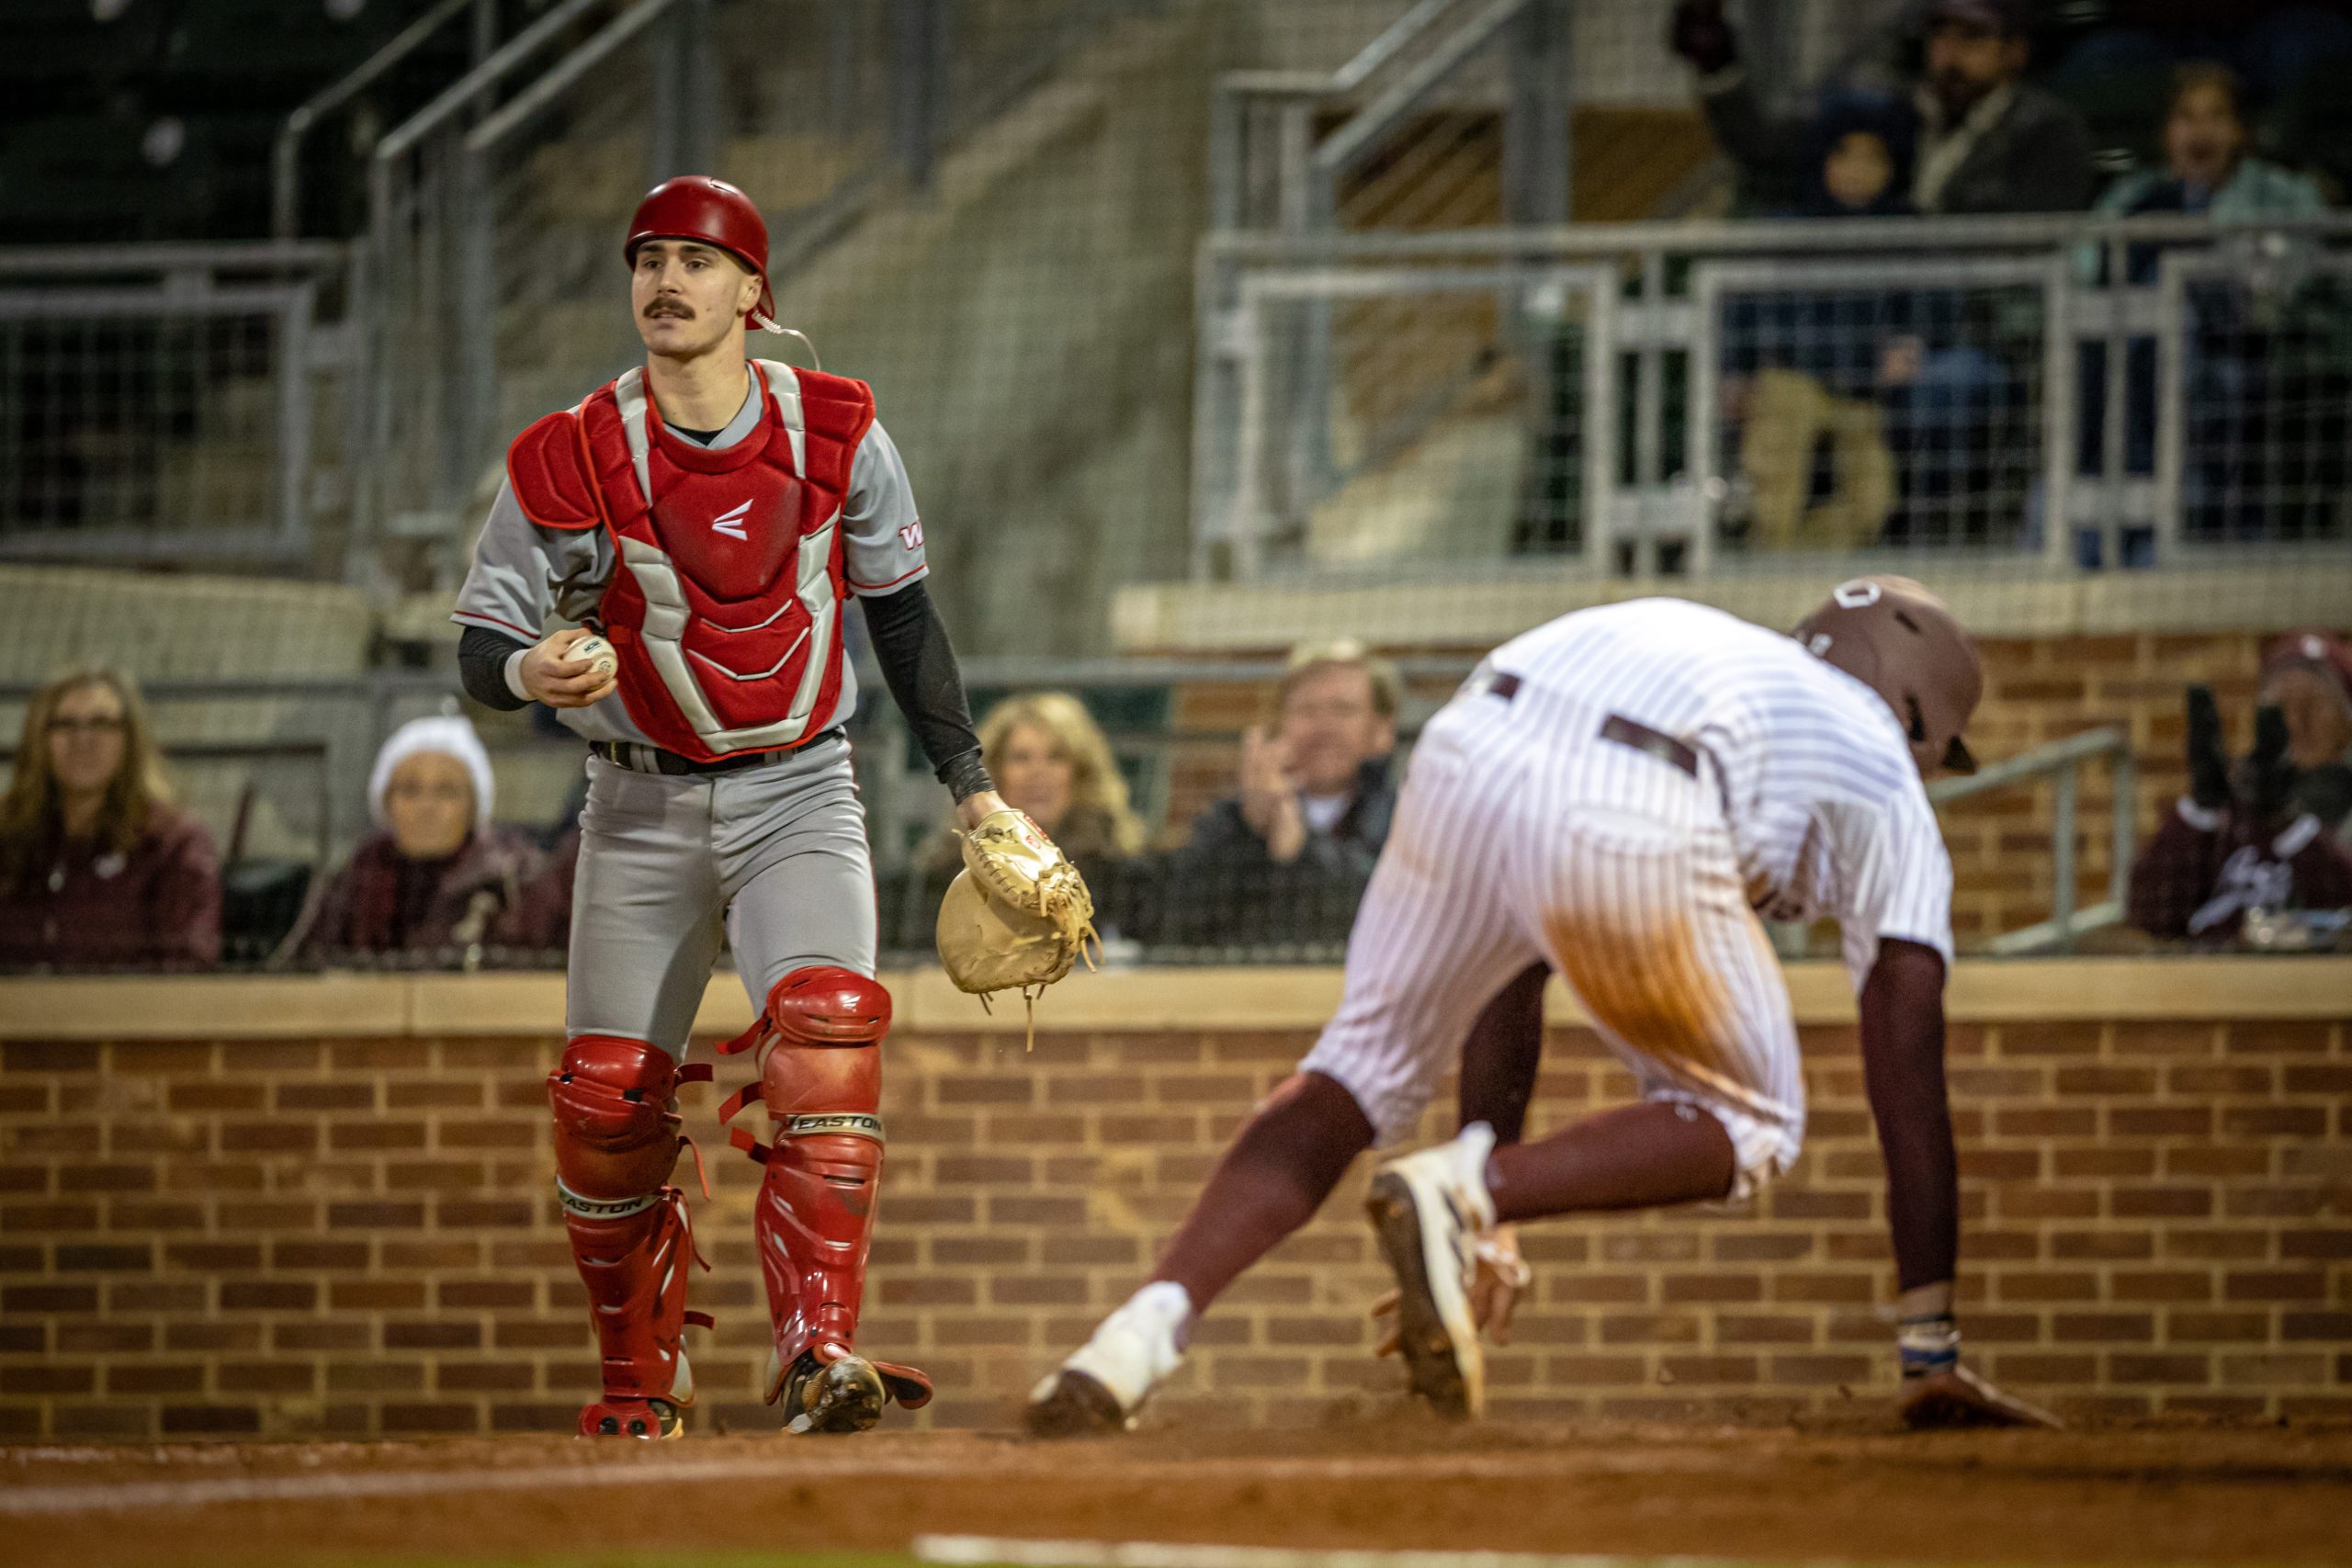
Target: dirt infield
{"x": 1858, "y": 1492}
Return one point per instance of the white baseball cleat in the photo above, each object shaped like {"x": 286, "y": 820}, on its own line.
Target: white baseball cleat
{"x": 1105, "y": 1384}
{"x": 1430, "y": 1210}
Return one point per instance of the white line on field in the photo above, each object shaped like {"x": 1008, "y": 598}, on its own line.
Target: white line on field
{"x": 983, "y": 1550}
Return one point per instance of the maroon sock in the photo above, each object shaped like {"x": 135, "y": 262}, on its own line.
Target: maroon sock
{"x": 1279, "y": 1170}
{"x": 1636, "y": 1156}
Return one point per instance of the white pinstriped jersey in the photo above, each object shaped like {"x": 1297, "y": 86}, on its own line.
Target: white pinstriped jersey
{"x": 1824, "y": 804}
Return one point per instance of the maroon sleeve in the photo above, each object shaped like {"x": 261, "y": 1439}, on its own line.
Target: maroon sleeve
{"x": 2173, "y": 875}
{"x": 1903, "y": 1074}
{"x": 1501, "y": 1054}
{"x": 2323, "y": 871}
{"x": 325, "y": 925}
{"x": 184, "y": 901}
{"x": 547, "y": 896}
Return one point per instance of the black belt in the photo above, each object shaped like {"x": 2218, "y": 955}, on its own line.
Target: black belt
{"x": 1657, "y": 743}
{"x": 1623, "y": 731}
{"x": 640, "y": 759}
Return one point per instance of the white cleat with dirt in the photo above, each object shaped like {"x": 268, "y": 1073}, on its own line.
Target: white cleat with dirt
{"x": 1430, "y": 1210}
{"x": 1105, "y": 1383}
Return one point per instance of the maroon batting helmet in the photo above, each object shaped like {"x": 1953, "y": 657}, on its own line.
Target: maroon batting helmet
{"x": 1902, "y": 642}
{"x": 695, "y": 207}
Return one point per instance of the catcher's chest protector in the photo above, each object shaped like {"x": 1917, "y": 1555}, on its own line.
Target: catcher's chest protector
{"x": 725, "y": 607}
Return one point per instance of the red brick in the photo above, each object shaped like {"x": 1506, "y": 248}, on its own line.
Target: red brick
{"x": 2187, "y": 1371}
{"x": 2274, "y": 1285}
{"x": 2049, "y": 1040}
{"x": 2280, "y": 1038}
{"x": 2106, "y": 1081}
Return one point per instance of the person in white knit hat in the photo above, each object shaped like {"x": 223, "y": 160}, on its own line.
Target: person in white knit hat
{"x": 437, "y": 880}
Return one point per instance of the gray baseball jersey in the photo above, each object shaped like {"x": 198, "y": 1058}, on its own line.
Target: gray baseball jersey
{"x": 773, "y": 858}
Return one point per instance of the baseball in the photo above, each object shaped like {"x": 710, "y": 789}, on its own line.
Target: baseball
{"x": 598, "y": 654}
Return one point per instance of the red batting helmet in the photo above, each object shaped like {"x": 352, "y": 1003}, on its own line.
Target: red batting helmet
{"x": 1900, "y": 641}
{"x": 695, "y": 207}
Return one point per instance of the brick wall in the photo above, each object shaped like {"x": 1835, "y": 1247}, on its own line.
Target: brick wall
{"x": 2038, "y": 690}
{"x": 354, "y": 1236}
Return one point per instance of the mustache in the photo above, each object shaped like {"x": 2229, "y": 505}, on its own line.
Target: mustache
{"x": 669, "y": 308}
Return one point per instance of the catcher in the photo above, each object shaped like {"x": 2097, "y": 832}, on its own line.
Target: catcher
{"x": 711, "y": 515}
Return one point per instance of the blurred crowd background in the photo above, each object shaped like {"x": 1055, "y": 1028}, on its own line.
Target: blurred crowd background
{"x": 1257, "y": 365}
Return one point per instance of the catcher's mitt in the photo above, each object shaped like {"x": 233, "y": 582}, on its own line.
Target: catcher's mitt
{"x": 1018, "y": 916}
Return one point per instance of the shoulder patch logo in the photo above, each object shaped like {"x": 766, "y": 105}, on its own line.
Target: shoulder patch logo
{"x": 912, "y": 534}
{"x": 732, "y": 522}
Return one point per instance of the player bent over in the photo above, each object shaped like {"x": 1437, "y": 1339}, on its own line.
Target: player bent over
{"x": 711, "y": 515}
{"x": 1621, "y": 793}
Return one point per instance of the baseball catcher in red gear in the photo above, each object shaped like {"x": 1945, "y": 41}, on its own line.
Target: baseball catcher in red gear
{"x": 711, "y": 517}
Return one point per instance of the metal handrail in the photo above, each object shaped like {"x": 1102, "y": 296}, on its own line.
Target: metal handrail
{"x": 1392, "y": 42}
{"x": 286, "y": 170}
{"x": 1748, "y": 235}
{"x": 1364, "y": 130}
{"x": 2063, "y": 760}
{"x": 573, "y": 65}
{"x": 89, "y": 263}
{"x": 480, "y": 79}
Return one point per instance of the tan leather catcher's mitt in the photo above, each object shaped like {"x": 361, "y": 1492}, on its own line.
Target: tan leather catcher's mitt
{"x": 1018, "y": 916}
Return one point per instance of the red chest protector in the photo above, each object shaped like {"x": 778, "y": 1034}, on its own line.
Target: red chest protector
{"x": 725, "y": 607}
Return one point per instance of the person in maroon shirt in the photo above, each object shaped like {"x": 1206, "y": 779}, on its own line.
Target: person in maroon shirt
{"x": 437, "y": 885}
{"x": 98, "y": 868}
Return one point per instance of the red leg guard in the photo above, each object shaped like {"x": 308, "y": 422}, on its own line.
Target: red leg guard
{"x": 615, "y": 1143}
{"x": 821, "y": 1084}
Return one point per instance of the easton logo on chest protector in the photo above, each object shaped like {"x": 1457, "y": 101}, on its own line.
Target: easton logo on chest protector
{"x": 725, "y": 605}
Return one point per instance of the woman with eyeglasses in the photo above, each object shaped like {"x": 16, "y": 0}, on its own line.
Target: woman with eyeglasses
{"x": 98, "y": 868}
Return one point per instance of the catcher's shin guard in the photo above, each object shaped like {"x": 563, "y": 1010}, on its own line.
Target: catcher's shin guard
{"x": 616, "y": 1142}
{"x": 821, "y": 1083}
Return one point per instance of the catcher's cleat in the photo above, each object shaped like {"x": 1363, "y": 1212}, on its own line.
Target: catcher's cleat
{"x": 843, "y": 1393}
{"x": 1430, "y": 1211}
{"x": 1105, "y": 1384}
{"x": 621, "y": 1416}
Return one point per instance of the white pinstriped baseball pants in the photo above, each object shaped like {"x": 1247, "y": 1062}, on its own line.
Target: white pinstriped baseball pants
{"x": 1522, "y": 834}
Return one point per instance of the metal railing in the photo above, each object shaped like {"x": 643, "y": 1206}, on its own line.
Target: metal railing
{"x": 2061, "y": 761}
{"x": 495, "y": 211}
{"x": 285, "y": 155}
{"x": 2064, "y": 390}
{"x": 190, "y": 403}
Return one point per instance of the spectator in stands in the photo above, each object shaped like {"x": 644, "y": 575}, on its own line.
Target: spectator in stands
{"x": 436, "y": 880}
{"x": 98, "y": 868}
{"x": 1802, "y": 370}
{"x": 2206, "y": 169}
{"x": 2291, "y": 53}
{"x": 1989, "y": 141}
{"x": 2241, "y": 842}
{"x": 1284, "y": 860}
{"x": 1051, "y": 759}
{"x": 2308, "y": 677}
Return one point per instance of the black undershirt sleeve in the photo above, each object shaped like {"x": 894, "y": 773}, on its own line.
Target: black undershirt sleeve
{"x": 481, "y": 666}
{"x": 911, "y": 644}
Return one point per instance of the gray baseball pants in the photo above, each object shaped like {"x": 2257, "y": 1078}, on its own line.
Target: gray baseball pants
{"x": 773, "y": 858}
